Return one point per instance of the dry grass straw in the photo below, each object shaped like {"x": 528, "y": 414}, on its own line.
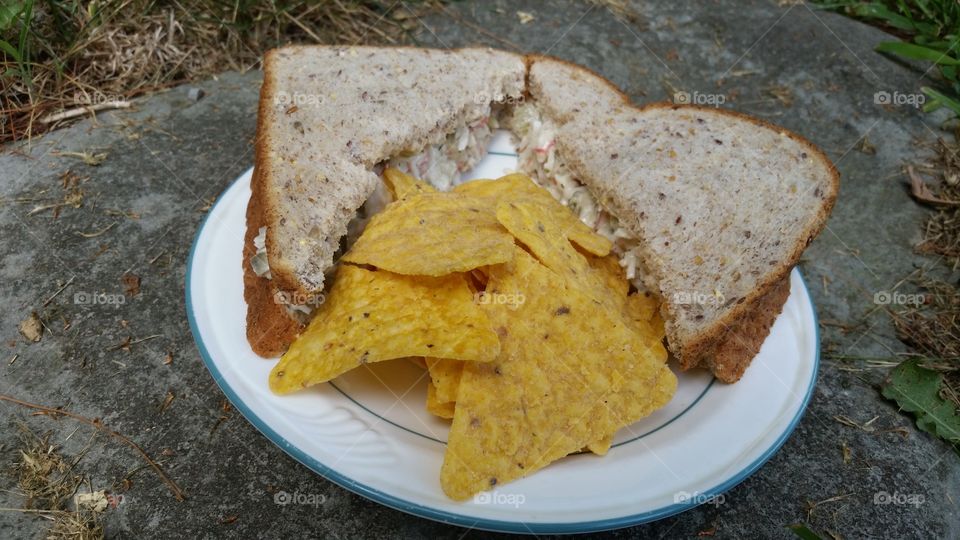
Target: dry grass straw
{"x": 941, "y": 232}
{"x": 932, "y": 329}
{"x": 48, "y": 483}
{"x": 100, "y": 53}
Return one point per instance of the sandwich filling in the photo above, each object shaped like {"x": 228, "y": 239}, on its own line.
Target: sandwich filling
{"x": 441, "y": 164}
{"x": 537, "y": 150}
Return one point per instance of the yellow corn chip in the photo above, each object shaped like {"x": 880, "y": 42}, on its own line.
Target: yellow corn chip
{"x": 518, "y": 187}
{"x": 445, "y": 376}
{"x": 602, "y": 446}
{"x": 542, "y": 233}
{"x": 609, "y": 269}
{"x": 643, "y": 309}
{"x": 402, "y": 185}
{"x": 568, "y": 375}
{"x": 433, "y": 234}
{"x": 437, "y": 407}
{"x": 371, "y": 316}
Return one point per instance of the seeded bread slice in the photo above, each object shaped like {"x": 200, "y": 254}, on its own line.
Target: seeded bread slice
{"x": 328, "y": 115}
{"x": 723, "y": 204}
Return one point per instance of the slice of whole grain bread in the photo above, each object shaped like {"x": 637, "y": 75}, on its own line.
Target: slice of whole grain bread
{"x": 328, "y": 115}
{"x": 723, "y": 204}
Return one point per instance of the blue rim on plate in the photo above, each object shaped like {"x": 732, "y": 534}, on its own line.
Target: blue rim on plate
{"x": 459, "y": 519}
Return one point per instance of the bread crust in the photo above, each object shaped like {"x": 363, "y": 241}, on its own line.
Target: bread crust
{"x": 741, "y": 343}
{"x": 269, "y": 328}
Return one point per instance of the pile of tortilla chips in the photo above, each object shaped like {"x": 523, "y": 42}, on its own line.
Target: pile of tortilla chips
{"x": 519, "y": 312}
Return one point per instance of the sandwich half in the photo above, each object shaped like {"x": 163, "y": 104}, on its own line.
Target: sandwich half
{"x": 707, "y": 208}
{"x": 329, "y": 119}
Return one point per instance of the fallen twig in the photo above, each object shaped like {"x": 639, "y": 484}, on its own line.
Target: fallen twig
{"x": 73, "y": 113}
{"x": 97, "y": 233}
{"x": 60, "y": 290}
{"x": 95, "y": 422}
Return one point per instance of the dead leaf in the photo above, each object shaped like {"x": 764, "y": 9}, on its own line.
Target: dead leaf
{"x": 922, "y": 193}
{"x": 96, "y": 501}
{"x": 864, "y": 146}
{"x": 31, "y": 328}
{"x": 525, "y": 17}
{"x": 167, "y": 401}
{"x": 131, "y": 284}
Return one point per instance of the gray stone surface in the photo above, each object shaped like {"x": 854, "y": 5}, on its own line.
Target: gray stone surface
{"x": 168, "y": 156}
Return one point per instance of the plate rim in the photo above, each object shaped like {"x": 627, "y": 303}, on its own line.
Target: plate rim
{"x": 461, "y": 520}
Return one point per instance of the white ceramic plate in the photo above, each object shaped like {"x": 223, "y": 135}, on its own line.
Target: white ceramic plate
{"x": 369, "y": 432}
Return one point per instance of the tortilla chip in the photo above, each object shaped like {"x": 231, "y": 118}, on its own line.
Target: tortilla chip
{"x": 569, "y": 374}
{"x": 437, "y": 407}
{"x": 542, "y": 233}
{"x": 445, "y": 376}
{"x": 433, "y": 234}
{"x": 371, "y": 316}
{"x": 402, "y": 185}
{"x": 643, "y": 309}
{"x": 519, "y": 187}
{"x": 609, "y": 270}
{"x": 602, "y": 446}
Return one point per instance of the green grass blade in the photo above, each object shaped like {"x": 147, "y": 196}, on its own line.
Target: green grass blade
{"x": 11, "y": 50}
{"x": 804, "y": 532}
{"x": 916, "y": 52}
{"x": 939, "y": 100}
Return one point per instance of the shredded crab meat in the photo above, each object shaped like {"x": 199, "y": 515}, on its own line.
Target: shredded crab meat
{"x": 441, "y": 164}
{"x": 537, "y": 148}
